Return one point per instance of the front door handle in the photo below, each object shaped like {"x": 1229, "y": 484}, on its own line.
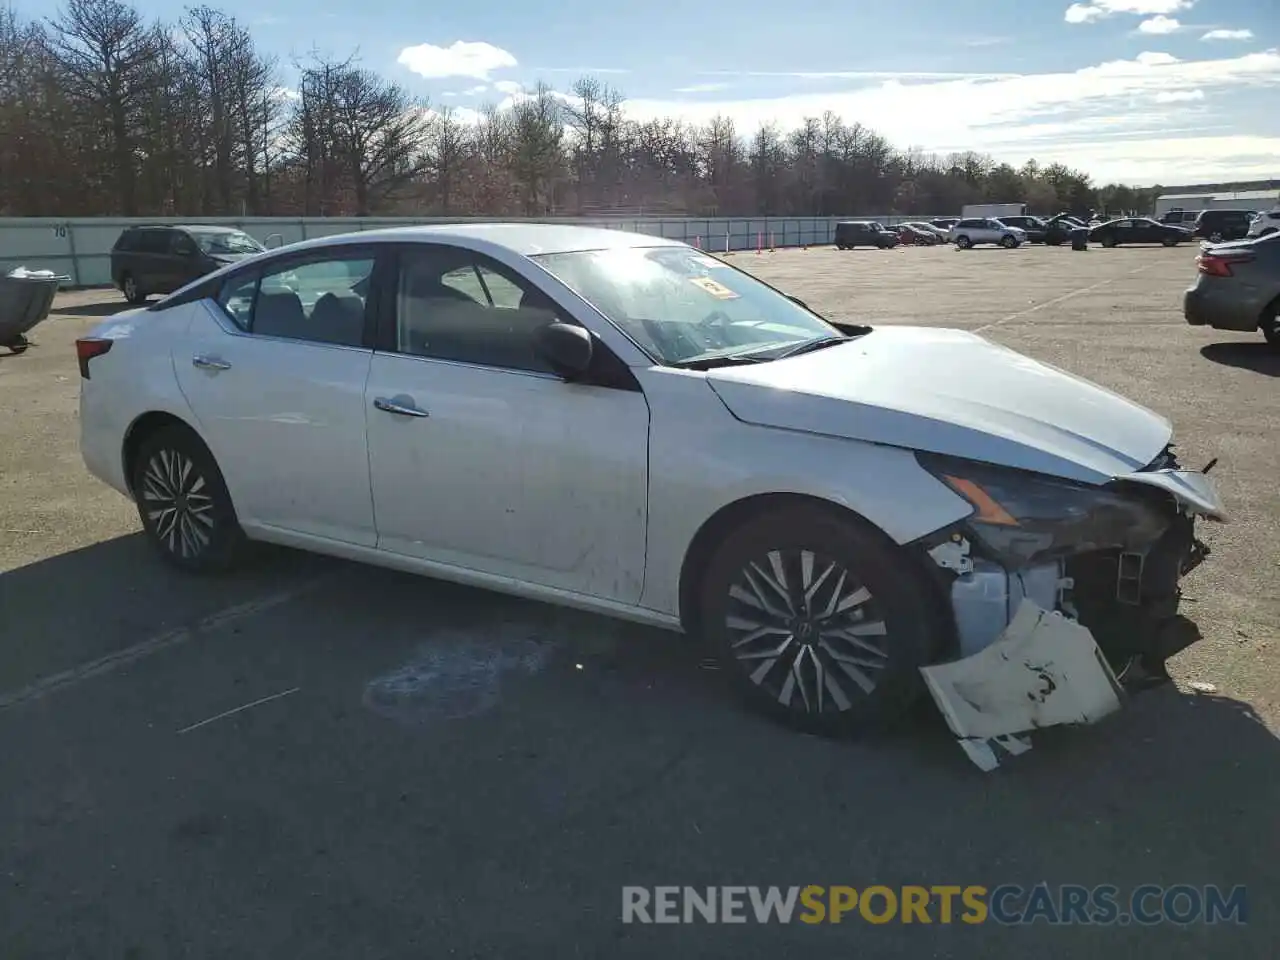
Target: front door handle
{"x": 396, "y": 405}
{"x": 209, "y": 363}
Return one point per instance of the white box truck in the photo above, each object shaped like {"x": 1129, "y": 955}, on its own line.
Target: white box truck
{"x": 996, "y": 210}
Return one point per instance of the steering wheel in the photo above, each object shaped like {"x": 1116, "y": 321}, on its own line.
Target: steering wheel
{"x": 714, "y": 326}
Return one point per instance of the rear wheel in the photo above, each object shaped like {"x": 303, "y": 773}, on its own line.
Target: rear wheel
{"x": 183, "y": 502}
{"x": 818, "y": 622}
{"x": 1170, "y": 241}
{"x": 1269, "y": 322}
{"x": 129, "y": 287}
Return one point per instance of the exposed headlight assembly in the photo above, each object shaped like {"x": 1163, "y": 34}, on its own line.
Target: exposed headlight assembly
{"x": 1023, "y": 517}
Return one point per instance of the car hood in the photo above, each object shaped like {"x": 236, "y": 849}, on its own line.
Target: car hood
{"x": 949, "y": 392}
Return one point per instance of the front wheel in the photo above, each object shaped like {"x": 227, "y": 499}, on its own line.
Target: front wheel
{"x": 1170, "y": 241}
{"x": 818, "y": 622}
{"x": 1108, "y": 241}
{"x": 183, "y": 503}
{"x": 964, "y": 243}
{"x": 1008, "y": 242}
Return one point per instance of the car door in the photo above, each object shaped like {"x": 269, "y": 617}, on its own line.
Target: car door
{"x": 185, "y": 262}
{"x": 480, "y": 457}
{"x": 274, "y": 369}
{"x": 1143, "y": 231}
{"x": 151, "y": 262}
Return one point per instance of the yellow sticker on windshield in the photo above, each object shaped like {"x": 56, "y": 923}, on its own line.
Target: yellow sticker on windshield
{"x": 717, "y": 290}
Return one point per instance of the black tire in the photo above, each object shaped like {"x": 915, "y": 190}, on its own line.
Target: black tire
{"x": 1216, "y": 237}
{"x": 1269, "y": 323}
{"x": 1109, "y": 241}
{"x": 963, "y": 242}
{"x": 200, "y": 532}
{"x": 1008, "y": 242}
{"x": 892, "y": 615}
{"x": 129, "y": 287}
{"x": 19, "y": 344}
{"x": 1171, "y": 241}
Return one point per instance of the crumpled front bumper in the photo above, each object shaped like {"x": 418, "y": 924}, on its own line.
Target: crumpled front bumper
{"x": 1056, "y": 642}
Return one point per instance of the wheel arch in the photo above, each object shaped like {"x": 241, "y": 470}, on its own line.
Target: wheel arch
{"x": 729, "y": 517}
{"x": 144, "y": 426}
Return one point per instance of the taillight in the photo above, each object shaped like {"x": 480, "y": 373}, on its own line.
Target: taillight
{"x": 1219, "y": 265}
{"x": 89, "y": 347}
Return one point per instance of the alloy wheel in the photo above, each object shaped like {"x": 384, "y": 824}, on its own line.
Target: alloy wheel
{"x": 806, "y": 631}
{"x": 178, "y": 503}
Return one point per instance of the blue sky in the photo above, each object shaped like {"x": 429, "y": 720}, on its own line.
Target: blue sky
{"x": 1140, "y": 90}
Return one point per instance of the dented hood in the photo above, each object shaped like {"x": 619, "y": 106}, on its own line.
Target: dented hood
{"x": 949, "y": 392}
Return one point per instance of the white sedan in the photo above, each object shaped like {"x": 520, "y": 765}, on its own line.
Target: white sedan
{"x": 623, "y": 424}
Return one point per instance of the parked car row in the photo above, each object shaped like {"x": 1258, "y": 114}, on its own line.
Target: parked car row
{"x": 1218, "y": 226}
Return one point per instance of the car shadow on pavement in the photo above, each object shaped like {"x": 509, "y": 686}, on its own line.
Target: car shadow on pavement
{"x": 1259, "y": 356}
{"x": 108, "y": 308}
{"x": 72, "y": 608}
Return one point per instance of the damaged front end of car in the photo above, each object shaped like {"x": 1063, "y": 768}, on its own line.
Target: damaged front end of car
{"x": 1062, "y": 593}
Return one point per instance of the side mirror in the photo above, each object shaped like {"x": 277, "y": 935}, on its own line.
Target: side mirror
{"x": 567, "y": 348}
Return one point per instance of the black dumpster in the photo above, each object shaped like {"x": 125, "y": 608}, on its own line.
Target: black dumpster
{"x": 1080, "y": 238}
{"x": 25, "y": 300}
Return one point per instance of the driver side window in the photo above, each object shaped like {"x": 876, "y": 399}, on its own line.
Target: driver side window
{"x": 452, "y": 304}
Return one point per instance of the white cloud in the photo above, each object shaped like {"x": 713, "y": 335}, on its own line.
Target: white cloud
{"x": 1085, "y": 118}
{"x": 509, "y": 87}
{"x": 463, "y": 58}
{"x": 479, "y": 89}
{"x": 1228, "y": 35}
{"x": 701, "y": 88}
{"x": 1179, "y": 96}
{"x": 1160, "y": 25}
{"x": 582, "y": 71}
{"x": 1101, "y": 9}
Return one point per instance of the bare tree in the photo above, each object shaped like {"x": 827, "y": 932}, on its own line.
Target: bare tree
{"x": 103, "y": 112}
{"x": 105, "y": 50}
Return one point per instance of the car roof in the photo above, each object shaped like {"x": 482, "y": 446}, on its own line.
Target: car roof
{"x": 200, "y": 227}
{"x": 525, "y": 239}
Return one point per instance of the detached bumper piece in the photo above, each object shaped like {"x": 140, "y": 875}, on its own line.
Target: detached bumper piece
{"x": 1043, "y": 670}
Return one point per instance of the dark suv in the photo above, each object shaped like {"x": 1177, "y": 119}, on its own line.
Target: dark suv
{"x": 1033, "y": 227}
{"x": 864, "y": 233}
{"x": 1219, "y": 225}
{"x": 162, "y": 258}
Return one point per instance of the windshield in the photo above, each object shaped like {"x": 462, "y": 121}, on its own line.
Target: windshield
{"x": 681, "y": 305}
{"x": 230, "y": 242}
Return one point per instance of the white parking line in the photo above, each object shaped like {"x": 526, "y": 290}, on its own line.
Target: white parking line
{"x": 172, "y": 638}
{"x": 1065, "y": 296}
{"x": 240, "y": 709}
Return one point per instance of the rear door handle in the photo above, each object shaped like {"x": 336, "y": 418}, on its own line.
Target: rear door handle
{"x": 209, "y": 363}
{"x": 397, "y": 405}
